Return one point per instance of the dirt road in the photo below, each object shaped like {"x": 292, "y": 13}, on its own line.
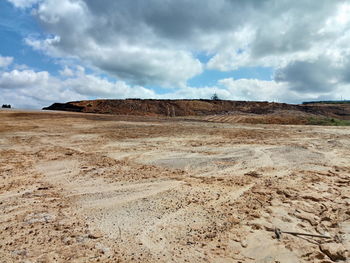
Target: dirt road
{"x": 91, "y": 188}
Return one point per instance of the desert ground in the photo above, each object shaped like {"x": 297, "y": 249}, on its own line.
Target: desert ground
{"x": 80, "y": 187}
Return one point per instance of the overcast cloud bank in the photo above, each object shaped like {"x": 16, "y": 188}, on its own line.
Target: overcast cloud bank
{"x": 160, "y": 43}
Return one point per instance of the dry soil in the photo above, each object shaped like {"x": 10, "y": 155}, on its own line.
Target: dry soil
{"x": 97, "y": 188}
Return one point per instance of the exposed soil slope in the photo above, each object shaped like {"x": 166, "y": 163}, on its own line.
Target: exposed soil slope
{"x": 175, "y": 108}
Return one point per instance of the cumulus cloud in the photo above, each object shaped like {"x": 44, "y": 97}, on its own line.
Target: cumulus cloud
{"x": 29, "y": 88}
{"x": 24, "y": 3}
{"x": 93, "y": 86}
{"x": 205, "y": 92}
{"x": 262, "y": 90}
{"x": 32, "y": 89}
{"x": 319, "y": 75}
{"x": 21, "y": 79}
{"x": 156, "y": 42}
{"x": 151, "y": 42}
{"x": 253, "y": 89}
{"x": 5, "y": 61}
{"x": 66, "y": 72}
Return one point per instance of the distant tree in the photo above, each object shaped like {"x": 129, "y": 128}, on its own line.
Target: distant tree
{"x": 215, "y": 97}
{"x": 5, "y": 106}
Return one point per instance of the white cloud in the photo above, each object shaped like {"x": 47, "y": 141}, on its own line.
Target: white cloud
{"x": 196, "y": 93}
{"x": 261, "y": 90}
{"x": 24, "y": 3}
{"x": 46, "y": 45}
{"x": 253, "y": 89}
{"x": 28, "y": 88}
{"x": 154, "y": 42}
{"x": 31, "y": 89}
{"x": 5, "y": 61}
{"x": 19, "y": 79}
{"x": 66, "y": 72}
{"x": 95, "y": 86}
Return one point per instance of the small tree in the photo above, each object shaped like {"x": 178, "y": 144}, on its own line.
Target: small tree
{"x": 215, "y": 97}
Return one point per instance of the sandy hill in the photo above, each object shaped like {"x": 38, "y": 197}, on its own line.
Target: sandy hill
{"x": 211, "y": 110}
{"x": 174, "y": 108}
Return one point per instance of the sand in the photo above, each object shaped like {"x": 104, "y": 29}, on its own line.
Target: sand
{"x": 92, "y": 188}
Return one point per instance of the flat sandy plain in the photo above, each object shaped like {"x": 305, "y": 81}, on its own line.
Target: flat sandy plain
{"x": 98, "y": 188}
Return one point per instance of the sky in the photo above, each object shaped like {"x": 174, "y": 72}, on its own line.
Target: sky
{"x": 261, "y": 50}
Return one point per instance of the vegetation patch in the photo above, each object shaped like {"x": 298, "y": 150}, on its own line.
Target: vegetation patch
{"x": 327, "y": 102}
{"x": 328, "y": 121}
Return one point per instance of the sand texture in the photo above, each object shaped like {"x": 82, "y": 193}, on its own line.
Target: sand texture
{"x": 78, "y": 187}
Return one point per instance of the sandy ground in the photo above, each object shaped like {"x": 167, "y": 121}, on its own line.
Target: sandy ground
{"x": 93, "y": 188}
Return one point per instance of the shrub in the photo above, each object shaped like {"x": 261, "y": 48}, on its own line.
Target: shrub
{"x": 215, "y": 97}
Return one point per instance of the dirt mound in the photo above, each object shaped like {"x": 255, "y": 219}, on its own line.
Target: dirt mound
{"x": 176, "y": 108}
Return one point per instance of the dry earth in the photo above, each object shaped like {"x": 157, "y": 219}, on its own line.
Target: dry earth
{"x": 90, "y": 188}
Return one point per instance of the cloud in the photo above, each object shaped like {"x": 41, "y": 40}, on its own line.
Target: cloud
{"x": 196, "y": 93}
{"x": 293, "y": 26}
{"x": 310, "y": 76}
{"x": 283, "y": 31}
{"x": 21, "y": 79}
{"x": 159, "y": 29}
{"x": 29, "y": 88}
{"x": 151, "y": 42}
{"x": 261, "y": 90}
{"x": 45, "y": 45}
{"x": 5, "y": 61}
{"x": 253, "y": 89}
{"x": 96, "y": 86}
{"x": 157, "y": 42}
{"x": 35, "y": 89}
{"x": 24, "y": 3}
{"x": 66, "y": 72}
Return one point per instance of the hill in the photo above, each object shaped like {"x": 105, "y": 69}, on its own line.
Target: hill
{"x": 252, "y": 110}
